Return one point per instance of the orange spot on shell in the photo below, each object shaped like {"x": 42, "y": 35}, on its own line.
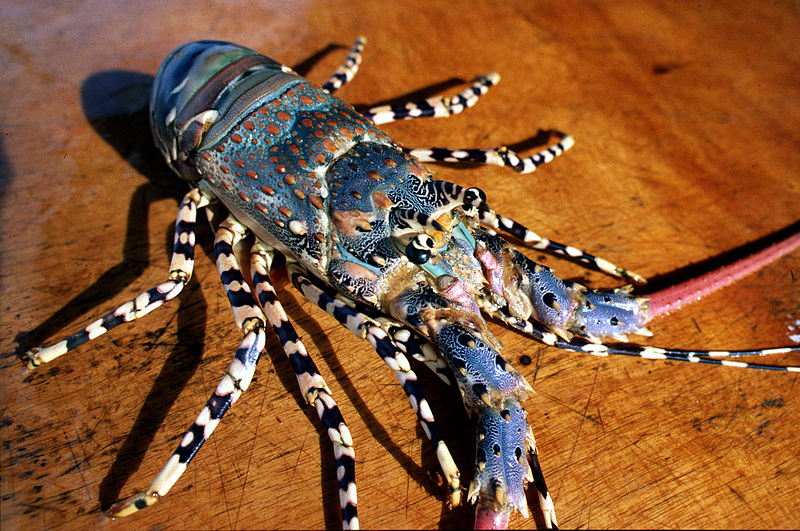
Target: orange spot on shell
{"x": 390, "y": 163}
{"x": 306, "y": 100}
{"x": 294, "y": 149}
{"x": 285, "y": 211}
{"x": 382, "y": 200}
{"x": 236, "y": 138}
{"x": 299, "y": 193}
{"x": 267, "y": 189}
{"x": 289, "y": 178}
{"x": 280, "y": 168}
{"x": 284, "y": 116}
{"x": 239, "y": 162}
{"x": 315, "y": 200}
{"x": 248, "y": 125}
{"x": 307, "y": 122}
{"x": 416, "y": 170}
{"x": 273, "y": 129}
{"x": 329, "y": 145}
{"x": 251, "y": 174}
{"x": 244, "y": 197}
{"x": 262, "y": 207}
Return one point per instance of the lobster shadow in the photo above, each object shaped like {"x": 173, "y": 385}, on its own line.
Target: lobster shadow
{"x": 116, "y": 104}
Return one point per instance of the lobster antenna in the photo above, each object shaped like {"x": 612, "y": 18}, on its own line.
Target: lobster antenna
{"x": 674, "y": 297}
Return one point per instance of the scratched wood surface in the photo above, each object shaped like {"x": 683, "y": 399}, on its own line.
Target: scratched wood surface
{"x": 686, "y": 119}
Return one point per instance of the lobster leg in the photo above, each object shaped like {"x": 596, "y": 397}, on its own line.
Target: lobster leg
{"x": 489, "y": 218}
{"x": 712, "y": 357}
{"x": 312, "y": 386}
{"x": 348, "y": 70}
{"x": 180, "y": 271}
{"x": 495, "y": 221}
{"x": 441, "y": 106}
{"x": 252, "y": 322}
{"x": 545, "y": 500}
{"x": 498, "y": 156}
{"x": 357, "y": 316}
{"x": 421, "y": 350}
{"x": 386, "y": 347}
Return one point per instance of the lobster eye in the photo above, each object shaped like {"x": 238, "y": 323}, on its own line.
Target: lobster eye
{"x": 416, "y": 255}
{"x": 474, "y": 197}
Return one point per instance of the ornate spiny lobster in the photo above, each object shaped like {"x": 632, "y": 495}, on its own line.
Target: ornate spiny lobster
{"x": 408, "y": 262}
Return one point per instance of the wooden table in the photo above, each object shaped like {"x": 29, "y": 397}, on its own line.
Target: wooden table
{"x": 686, "y": 117}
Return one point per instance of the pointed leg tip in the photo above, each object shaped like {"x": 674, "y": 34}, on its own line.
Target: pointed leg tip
{"x": 131, "y": 505}
{"x": 32, "y": 358}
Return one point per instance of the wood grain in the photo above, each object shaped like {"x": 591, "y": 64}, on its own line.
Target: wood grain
{"x": 686, "y": 120}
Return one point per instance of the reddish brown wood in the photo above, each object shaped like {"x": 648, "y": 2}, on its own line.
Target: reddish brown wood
{"x": 685, "y": 116}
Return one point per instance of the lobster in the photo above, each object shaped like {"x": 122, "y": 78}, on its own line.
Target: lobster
{"x": 406, "y": 261}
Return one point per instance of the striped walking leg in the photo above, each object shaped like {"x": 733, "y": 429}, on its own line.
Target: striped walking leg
{"x": 312, "y": 386}
{"x": 355, "y": 318}
{"x": 348, "y": 70}
{"x": 250, "y": 319}
{"x": 180, "y": 271}
{"x": 437, "y": 107}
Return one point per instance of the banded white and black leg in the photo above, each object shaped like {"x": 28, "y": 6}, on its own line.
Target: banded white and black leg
{"x": 250, "y": 319}
{"x": 355, "y": 318}
{"x": 497, "y": 156}
{"x": 365, "y": 327}
{"x": 475, "y": 199}
{"x": 711, "y": 357}
{"x": 312, "y": 386}
{"x": 413, "y": 344}
{"x": 180, "y": 271}
{"x": 348, "y": 69}
{"x": 545, "y": 500}
{"x": 489, "y": 218}
{"x": 440, "y": 106}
